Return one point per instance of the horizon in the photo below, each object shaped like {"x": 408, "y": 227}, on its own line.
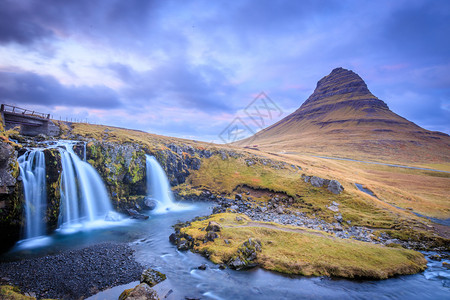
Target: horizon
{"x": 159, "y": 68}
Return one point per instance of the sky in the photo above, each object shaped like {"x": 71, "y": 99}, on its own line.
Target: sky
{"x": 191, "y": 68}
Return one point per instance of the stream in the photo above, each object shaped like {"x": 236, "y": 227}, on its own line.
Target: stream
{"x": 149, "y": 239}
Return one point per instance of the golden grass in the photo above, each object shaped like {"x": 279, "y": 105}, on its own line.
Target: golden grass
{"x": 8, "y": 292}
{"x": 425, "y": 192}
{"x": 307, "y": 252}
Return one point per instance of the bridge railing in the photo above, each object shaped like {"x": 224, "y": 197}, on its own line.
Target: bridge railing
{"x": 23, "y": 111}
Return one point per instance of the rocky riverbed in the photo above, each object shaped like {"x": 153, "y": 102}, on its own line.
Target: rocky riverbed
{"x": 73, "y": 274}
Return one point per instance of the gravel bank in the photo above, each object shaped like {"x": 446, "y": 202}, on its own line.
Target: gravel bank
{"x": 74, "y": 274}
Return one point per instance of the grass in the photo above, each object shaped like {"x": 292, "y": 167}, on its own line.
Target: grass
{"x": 8, "y": 292}
{"x": 305, "y": 252}
{"x": 225, "y": 176}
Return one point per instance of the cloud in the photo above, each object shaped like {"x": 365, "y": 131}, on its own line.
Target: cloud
{"x": 190, "y": 60}
{"x": 31, "y": 88}
{"x": 18, "y": 24}
{"x": 177, "y": 83}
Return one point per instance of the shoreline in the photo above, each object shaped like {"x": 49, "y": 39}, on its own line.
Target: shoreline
{"x": 75, "y": 273}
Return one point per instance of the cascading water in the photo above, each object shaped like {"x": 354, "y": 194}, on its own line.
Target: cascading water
{"x": 158, "y": 187}
{"x": 84, "y": 199}
{"x": 32, "y": 171}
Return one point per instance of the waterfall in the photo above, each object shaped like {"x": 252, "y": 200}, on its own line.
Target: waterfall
{"x": 158, "y": 186}
{"x": 84, "y": 199}
{"x": 32, "y": 171}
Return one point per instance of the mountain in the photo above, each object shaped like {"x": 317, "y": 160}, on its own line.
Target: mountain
{"x": 343, "y": 118}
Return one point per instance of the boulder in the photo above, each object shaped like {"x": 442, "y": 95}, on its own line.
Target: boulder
{"x": 279, "y": 210}
{"x": 335, "y": 187}
{"x": 246, "y": 255}
{"x": 135, "y": 215}
{"x": 140, "y": 292}
{"x": 202, "y": 267}
{"x": 237, "y": 263}
{"x": 211, "y": 236}
{"x": 317, "y": 181}
{"x": 152, "y": 277}
{"x": 173, "y": 238}
{"x": 213, "y": 226}
{"x": 150, "y": 203}
{"x": 183, "y": 245}
{"x": 238, "y": 197}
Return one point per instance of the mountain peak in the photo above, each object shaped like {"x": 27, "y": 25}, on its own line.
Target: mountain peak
{"x": 340, "y": 83}
{"x": 343, "y": 117}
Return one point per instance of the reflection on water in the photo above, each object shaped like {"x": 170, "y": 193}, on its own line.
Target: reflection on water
{"x": 150, "y": 240}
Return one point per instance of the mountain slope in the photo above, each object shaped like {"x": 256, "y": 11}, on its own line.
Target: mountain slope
{"x": 343, "y": 118}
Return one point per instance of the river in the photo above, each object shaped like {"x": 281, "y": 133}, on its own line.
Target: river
{"x": 149, "y": 239}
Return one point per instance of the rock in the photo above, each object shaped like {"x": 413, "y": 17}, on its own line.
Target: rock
{"x": 238, "y": 197}
{"x": 237, "y": 263}
{"x": 339, "y": 218}
{"x": 239, "y": 219}
{"x": 152, "y": 277}
{"x": 183, "y": 245}
{"x": 446, "y": 265}
{"x": 279, "y": 210}
{"x": 140, "y": 292}
{"x": 317, "y": 181}
{"x": 213, "y": 226}
{"x": 333, "y": 208}
{"x": 173, "y": 238}
{"x": 306, "y": 178}
{"x": 202, "y": 267}
{"x": 222, "y": 266}
{"x": 335, "y": 187}
{"x": 211, "y": 236}
{"x": 150, "y": 203}
{"x": 234, "y": 207}
{"x": 112, "y": 216}
{"x": 7, "y": 158}
{"x": 40, "y": 137}
{"x": 135, "y": 215}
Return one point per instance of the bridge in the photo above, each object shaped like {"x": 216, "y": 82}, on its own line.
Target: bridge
{"x": 31, "y": 123}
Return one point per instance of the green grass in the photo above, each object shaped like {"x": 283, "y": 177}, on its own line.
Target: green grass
{"x": 287, "y": 249}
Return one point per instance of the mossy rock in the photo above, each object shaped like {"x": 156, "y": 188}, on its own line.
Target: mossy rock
{"x": 152, "y": 277}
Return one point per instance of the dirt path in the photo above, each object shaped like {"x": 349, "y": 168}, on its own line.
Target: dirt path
{"x": 271, "y": 226}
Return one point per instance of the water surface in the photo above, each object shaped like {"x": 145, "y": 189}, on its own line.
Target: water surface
{"x": 150, "y": 240}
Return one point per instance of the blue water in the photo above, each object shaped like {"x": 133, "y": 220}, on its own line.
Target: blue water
{"x": 150, "y": 240}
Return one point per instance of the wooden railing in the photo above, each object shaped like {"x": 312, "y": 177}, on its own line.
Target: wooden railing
{"x": 23, "y": 111}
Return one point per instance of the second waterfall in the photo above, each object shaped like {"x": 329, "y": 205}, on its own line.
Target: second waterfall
{"x": 84, "y": 199}
{"x": 158, "y": 187}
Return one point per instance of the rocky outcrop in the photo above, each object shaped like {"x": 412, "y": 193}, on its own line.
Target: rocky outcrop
{"x": 333, "y": 186}
{"x": 11, "y": 197}
{"x": 246, "y": 255}
{"x": 53, "y": 181}
{"x": 140, "y": 292}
